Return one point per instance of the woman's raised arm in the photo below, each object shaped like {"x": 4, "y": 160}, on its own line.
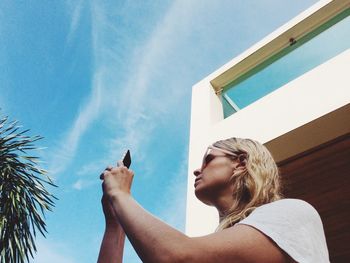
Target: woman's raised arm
{"x": 155, "y": 241}
{"x": 112, "y": 245}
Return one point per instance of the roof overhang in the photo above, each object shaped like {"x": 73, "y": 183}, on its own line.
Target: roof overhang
{"x": 311, "y": 135}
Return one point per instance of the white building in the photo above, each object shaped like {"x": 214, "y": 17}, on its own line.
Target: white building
{"x": 290, "y": 91}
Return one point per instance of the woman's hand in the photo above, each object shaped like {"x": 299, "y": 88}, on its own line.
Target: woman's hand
{"x": 117, "y": 180}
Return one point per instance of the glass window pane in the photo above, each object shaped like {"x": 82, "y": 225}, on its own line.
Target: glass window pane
{"x": 292, "y": 62}
{"x": 228, "y": 109}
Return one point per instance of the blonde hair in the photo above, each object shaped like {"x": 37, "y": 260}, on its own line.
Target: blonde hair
{"x": 256, "y": 185}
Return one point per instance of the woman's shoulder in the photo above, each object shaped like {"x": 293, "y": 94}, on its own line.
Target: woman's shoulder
{"x": 289, "y": 207}
{"x": 289, "y": 202}
{"x": 292, "y": 213}
{"x": 294, "y": 225}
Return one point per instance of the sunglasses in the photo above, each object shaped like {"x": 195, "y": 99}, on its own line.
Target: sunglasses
{"x": 208, "y": 157}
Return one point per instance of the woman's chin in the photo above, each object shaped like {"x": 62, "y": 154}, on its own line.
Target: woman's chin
{"x": 202, "y": 195}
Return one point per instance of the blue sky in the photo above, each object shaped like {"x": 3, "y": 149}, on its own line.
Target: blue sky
{"x": 97, "y": 77}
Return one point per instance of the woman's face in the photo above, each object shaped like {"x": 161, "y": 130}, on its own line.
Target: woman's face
{"x": 214, "y": 179}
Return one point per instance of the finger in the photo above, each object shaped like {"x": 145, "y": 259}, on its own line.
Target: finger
{"x": 109, "y": 168}
{"x": 102, "y": 175}
{"x": 120, "y": 163}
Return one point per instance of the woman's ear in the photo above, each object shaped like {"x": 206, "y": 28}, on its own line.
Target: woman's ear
{"x": 242, "y": 160}
{"x": 240, "y": 165}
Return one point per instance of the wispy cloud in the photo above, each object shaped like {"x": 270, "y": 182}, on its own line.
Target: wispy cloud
{"x": 75, "y": 10}
{"x": 174, "y": 197}
{"x": 140, "y": 105}
{"x": 144, "y": 103}
{"x": 83, "y": 183}
{"x": 64, "y": 155}
{"x": 91, "y": 168}
{"x": 48, "y": 252}
{"x": 87, "y": 175}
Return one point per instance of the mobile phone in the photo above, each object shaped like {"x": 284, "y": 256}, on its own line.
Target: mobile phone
{"x": 127, "y": 159}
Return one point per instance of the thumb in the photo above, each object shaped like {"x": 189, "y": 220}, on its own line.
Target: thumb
{"x": 120, "y": 163}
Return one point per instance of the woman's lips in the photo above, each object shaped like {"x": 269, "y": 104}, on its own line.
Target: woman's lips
{"x": 196, "y": 182}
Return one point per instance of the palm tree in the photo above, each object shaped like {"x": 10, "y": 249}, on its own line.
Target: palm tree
{"x": 23, "y": 197}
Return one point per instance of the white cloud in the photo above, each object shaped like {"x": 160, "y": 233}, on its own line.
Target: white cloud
{"x": 64, "y": 155}
{"x": 173, "y": 208}
{"x": 138, "y": 112}
{"x": 83, "y": 183}
{"x": 75, "y": 9}
{"x": 134, "y": 106}
{"x": 143, "y": 103}
{"x": 78, "y": 185}
{"x": 91, "y": 168}
{"x": 49, "y": 252}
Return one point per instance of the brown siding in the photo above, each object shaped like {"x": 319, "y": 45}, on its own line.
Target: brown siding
{"x": 321, "y": 177}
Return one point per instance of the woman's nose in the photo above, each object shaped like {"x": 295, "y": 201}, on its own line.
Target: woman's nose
{"x": 197, "y": 172}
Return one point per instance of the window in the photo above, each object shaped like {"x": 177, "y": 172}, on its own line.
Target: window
{"x": 315, "y": 48}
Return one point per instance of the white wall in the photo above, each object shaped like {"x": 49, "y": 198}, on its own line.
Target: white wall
{"x": 312, "y": 95}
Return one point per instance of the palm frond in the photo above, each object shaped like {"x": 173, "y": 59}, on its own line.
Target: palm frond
{"x": 23, "y": 196}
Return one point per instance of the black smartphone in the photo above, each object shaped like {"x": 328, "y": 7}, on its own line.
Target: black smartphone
{"x": 127, "y": 159}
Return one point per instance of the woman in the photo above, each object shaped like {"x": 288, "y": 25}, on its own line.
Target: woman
{"x": 240, "y": 178}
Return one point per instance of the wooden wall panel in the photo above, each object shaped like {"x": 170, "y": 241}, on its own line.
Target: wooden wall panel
{"x": 321, "y": 176}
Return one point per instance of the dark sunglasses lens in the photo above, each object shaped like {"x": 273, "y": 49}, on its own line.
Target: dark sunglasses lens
{"x": 208, "y": 159}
